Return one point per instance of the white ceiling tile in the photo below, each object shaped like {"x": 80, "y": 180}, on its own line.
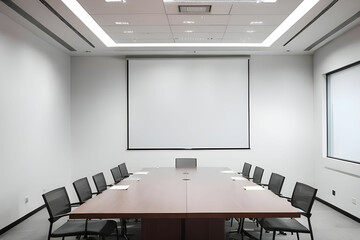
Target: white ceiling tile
{"x": 137, "y": 29}
{"x": 279, "y": 7}
{"x": 266, "y": 29}
{"x": 147, "y": 36}
{"x": 244, "y": 37}
{"x": 130, "y": 7}
{"x": 199, "y": 19}
{"x": 247, "y": 19}
{"x": 205, "y": 36}
{"x": 198, "y": 29}
{"x": 134, "y": 19}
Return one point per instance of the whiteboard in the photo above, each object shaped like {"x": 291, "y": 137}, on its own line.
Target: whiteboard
{"x": 188, "y": 103}
{"x": 343, "y": 113}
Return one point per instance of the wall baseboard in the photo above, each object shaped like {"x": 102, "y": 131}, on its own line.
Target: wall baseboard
{"x": 349, "y": 215}
{"x": 11, "y": 225}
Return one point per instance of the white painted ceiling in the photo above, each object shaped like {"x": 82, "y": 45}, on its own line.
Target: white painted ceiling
{"x": 153, "y": 21}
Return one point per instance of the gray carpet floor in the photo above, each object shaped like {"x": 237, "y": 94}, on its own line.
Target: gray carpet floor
{"x": 327, "y": 225}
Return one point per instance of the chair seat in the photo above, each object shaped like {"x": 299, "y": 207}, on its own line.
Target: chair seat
{"x": 77, "y": 227}
{"x": 283, "y": 224}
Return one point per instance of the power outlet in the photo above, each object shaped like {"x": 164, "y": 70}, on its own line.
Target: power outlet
{"x": 26, "y": 199}
{"x": 353, "y": 200}
{"x": 333, "y": 192}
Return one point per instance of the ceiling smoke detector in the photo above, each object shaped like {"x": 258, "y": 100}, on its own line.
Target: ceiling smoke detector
{"x": 194, "y": 8}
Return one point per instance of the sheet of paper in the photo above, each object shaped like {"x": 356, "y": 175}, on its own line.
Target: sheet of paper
{"x": 141, "y": 173}
{"x": 120, "y": 187}
{"x": 228, "y": 171}
{"x": 132, "y": 179}
{"x": 238, "y": 178}
{"x": 253, "y": 188}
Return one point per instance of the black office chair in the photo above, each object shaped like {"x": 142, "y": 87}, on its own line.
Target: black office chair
{"x": 83, "y": 189}
{"x": 302, "y": 198}
{"x": 123, "y": 170}
{"x": 275, "y": 183}
{"x": 100, "y": 182}
{"x": 258, "y": 174}
{"x": 246, "y": 170}
{"x": 58, "y": 205}
{"x": 185, "y": 162}
{"x": 115, "y": 172}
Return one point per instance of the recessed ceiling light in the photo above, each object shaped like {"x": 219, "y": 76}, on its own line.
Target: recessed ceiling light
{"x": 122, "y": 23}
{"x": 256, "y": 22}
{"x": 189, "y": 31}
{"x": 188, "y": 22}
{"x": 250, "y": 31}
{"x": 85, "y": 17}
{"x": 130, "y": 31}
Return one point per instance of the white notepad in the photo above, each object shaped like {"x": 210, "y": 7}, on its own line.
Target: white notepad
{"x": 132, "y": 179}
{"x": 253, "y": 188}
{"x": 141, "y": 173}
{"x": 228, "y": 171}
{"x": 238, "y": 178}
{"x": 120, "y": 187}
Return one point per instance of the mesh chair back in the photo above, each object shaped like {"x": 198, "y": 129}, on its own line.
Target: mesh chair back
{"x": 303, "y": 198}
{"x": 123, "y": 170}
{"x": 275, "y": 183}
{"x": 82, "y": 189}
{"x": 258, "y": 174}
{"x": 57, "y": 202}
{"x": 185, "y": 162}
{"x": 115, "y": 172}
{"x": 246, "y": 170}
{"x": 100, "y": 182}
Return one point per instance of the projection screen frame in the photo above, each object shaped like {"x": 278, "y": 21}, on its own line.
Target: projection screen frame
{"x": 174, "y": 56}
{"x": 327, "y": 111}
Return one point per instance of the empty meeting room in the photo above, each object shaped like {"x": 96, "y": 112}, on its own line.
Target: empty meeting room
{"x": 180, "y": 119}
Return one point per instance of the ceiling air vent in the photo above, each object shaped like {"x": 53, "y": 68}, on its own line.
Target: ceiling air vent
{"x": 194, "y": 8}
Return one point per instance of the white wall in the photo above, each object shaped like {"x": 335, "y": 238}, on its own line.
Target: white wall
{"x": 343, "y": 177}
{"x": 34, "y": 120}
{"x": 281, "y": 120}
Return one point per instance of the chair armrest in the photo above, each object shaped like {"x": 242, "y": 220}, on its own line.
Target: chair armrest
{"x": 264, "y": 184}
{"x": 76, "y": 204}
{"x": 287, "y": 198}
{"x": 109, "y": 185}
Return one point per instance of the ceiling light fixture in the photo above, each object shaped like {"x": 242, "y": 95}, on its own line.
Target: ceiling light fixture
{"x": 297, "y": 14}
{"x": 122, "y": 23}
{"x": 250, "y": 31}
{"x": 130, "y": 31}
{"x": 188, "y": 22}
{"x": 189, "y": 31}
{"x": 256, "y": 22}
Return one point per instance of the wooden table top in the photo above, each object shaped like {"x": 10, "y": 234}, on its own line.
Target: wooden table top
{"x": 205, "y": 193}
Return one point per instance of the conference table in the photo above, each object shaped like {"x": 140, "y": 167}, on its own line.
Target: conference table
{"x": 185, "y": 203}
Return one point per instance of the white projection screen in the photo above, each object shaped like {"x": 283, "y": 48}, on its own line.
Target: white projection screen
{"x": 343, "y": 113}
{"x": 188, "y": 103}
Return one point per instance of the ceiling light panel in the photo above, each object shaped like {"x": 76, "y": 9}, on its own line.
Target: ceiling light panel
{"x": 202, "y": 20}
{"x": 138, "y": 29}
{"x": 207, "y": 29}
{"x": 279, "y": 7}
{"x": 133, "y": 19}
{"x": 239, "y": 29}
{"x": 130, "y": 7}
{"x": 268, "y": 20}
